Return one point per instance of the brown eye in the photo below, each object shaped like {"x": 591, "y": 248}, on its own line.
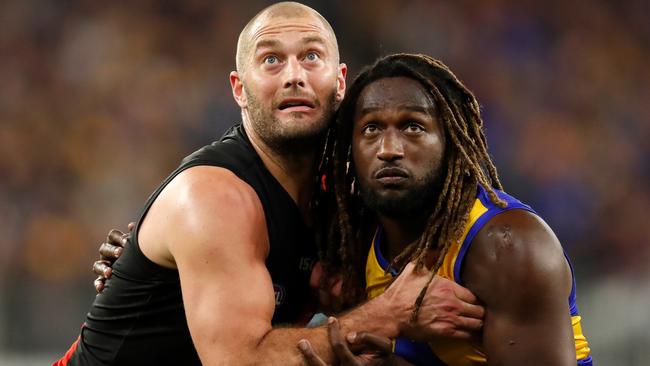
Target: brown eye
{"x": 414, "y": 128}
{"x": 369, "y": 129}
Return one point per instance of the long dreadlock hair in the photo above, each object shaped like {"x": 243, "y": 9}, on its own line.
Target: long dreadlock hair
{"x": 466, "y": 160}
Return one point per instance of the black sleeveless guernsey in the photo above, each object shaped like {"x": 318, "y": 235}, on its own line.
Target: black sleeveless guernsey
{"x": 139, "y": 318}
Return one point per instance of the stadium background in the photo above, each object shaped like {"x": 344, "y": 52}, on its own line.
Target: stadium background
{"x": 100, "y": 100}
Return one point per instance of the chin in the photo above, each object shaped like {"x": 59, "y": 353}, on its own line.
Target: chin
{"x": 398, "y": 202}
{"x": 391, "y": 193}
{"x": 305, "y": 128}
{"x": 303, "y": 118}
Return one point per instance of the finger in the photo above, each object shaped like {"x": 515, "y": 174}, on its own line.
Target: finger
{"x": 99, "y": 284}
{"x": 465, "y": 294}
{"x": 339, "y": 345}
{"x": 131, "y": 226}
{"x": 336, "y": 287}
{"x": 101, "y": 268}
{"x": 110, "y": 252}
{"x": 469, "y": 324}
{"x": 461, "y": 334}
{"x": 310, "y": 355}
{"x": 472, "y": 311}
{"x": 316, "y": 275}
{"x": 115, "y": 237}
{"x": 370, "y": 340}
{"x": 460, "y": 328}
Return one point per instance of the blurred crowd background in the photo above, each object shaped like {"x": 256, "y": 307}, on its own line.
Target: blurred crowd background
{"x": 99, "y": 101}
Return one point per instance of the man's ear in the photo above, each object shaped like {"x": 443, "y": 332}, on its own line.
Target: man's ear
{"x": 238, "y": 89}
{"x": 340, "y": 82}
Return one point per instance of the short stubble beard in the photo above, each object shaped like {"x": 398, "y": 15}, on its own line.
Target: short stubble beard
{"x": 285, "y": 139}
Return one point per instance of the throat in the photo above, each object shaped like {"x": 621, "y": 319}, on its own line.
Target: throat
{"x": 294, "y": 172}
{"x": 398, "y": 234}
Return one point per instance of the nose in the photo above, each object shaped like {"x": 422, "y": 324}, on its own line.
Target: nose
{"x": 294, "y": 74}
{"x": 390, "y": 147}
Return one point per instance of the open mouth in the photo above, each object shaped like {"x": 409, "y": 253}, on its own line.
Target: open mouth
{"x": 296, "y": 104}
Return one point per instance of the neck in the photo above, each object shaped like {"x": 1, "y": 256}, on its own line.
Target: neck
{"x": 399, "y": 233}
{"x": 294, "y": 172}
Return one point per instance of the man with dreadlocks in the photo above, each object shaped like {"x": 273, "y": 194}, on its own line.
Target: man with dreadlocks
{"x": 411, "y": 158}
{"x": 221, "y": 255}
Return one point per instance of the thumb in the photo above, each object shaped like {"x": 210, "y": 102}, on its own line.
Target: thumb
{"x": 316, "y": 275}
{"x": 337, "y": 285}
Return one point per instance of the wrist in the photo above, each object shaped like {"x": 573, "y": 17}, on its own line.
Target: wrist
{"x": 387, "y": 315}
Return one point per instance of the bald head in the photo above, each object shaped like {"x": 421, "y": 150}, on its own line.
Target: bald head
{"x": 279, "y": 12}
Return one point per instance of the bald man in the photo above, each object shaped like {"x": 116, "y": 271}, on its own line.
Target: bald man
{"x": 223, "y": 251}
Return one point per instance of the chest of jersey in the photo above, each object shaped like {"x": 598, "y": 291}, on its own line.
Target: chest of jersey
{"x": 453, "y": 352}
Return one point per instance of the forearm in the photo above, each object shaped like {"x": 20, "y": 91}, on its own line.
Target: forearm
{"x": 375, "y": 316}
{"x": 279, "y": 345}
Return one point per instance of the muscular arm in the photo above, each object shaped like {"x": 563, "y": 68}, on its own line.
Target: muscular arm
{"x": 211, "y": 226}
{"x": 517, "y": 267}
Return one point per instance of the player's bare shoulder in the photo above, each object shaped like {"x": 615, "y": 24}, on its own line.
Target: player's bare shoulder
{"x": 198, "y": 205}
{"x": 516, "y": 251}
{"x": 206, "y": 188}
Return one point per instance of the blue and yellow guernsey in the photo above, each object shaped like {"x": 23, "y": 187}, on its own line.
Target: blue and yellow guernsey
{"x": 453, "y": 352}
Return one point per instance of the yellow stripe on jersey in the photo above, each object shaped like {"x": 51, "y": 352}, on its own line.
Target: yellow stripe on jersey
{"x": 376, "y": 278}
{"x": 582, "y": 346}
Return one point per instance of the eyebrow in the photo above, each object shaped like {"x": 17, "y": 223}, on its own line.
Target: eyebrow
{"x": 270, "y": 43}
{"x": 266, "y": 43}
{"x": 410, "y": 108}
{"x": 313, "y": 39}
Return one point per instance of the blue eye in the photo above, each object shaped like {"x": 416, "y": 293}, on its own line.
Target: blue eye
{"x": 270, "y": 59}
{"x": 312, "y": 56}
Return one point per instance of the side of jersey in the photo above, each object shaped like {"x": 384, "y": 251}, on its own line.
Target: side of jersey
{"x": 139, "y": 318}
{"x": 458, "y": 352}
